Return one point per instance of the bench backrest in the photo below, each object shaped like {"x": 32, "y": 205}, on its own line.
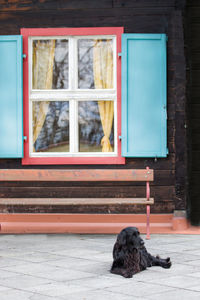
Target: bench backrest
{"x": 77, "y": 175}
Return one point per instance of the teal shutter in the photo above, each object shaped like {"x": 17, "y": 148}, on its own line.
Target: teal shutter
{"x": 144, "y": 116}
{"x": 11, "y": 128}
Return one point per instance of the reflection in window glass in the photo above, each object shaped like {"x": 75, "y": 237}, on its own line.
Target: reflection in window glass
{"x": 50, "y": 126}
{"x": 96, "y": 132}
{"x": 50, "y": 64}
{"x": 95, "y": 64}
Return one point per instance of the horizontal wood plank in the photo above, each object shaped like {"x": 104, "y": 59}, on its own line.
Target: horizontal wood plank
{"x": 161, "y": 178}
{"x": 74, "y": 201}
{"x": 76, "y": 175}
{"x": 26, "y": 5}
{"x": 145, "y": 3}
{"x": 159, "y": 192}
{"x": 158, "y": 207}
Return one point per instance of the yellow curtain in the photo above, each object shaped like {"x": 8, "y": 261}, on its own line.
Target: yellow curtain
{"x": 43, "y": 59}
{"x": 103, "y": 79}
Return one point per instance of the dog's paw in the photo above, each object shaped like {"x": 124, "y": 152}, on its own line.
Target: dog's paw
{"x": 167, "y": 264}
{"x": 128, "y": 275}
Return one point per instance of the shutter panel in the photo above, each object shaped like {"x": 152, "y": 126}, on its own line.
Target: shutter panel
{"x": 11, "y": 128}
{"x": 144, "y": 117}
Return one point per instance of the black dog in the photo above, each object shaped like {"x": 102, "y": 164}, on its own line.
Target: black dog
{"x": 130, "y": 255}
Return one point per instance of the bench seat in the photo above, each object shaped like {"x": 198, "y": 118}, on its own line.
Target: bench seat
{"x": 74, "y": 201}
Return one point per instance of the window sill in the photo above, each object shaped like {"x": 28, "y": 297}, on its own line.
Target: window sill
{"x": 73, "y": 160}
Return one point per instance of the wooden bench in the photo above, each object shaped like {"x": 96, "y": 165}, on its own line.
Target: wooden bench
{"x": 145, "y": 175}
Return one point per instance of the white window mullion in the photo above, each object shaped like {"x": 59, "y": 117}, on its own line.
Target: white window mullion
{"x": 73, "y": 104}
{"x": 61, "y": 95}
{"x": 72, "y": 124}
{"x": 71, "y": 63}
{"x": 75, "y": 58}
{"x": 31, "y": 128}
{"x": 115, "y": 127}
{"x": 114, "y": 63}
{"x": 76, "y": 131}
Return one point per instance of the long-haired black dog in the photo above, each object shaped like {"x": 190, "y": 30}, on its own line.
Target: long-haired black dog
{"x": 130, "y": 255}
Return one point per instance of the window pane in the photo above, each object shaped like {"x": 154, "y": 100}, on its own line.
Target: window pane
{"x": 95, "y": 63}
{"x": 50, "y": 126}
{"x": 50, "y": 64}
{"x": 96, "y": 130}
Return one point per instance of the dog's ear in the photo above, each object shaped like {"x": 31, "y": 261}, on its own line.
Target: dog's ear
{"x": 122, "y": 238}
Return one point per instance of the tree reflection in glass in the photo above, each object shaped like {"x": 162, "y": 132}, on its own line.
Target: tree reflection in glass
{"x": 50, "y": 126}
{"x": 50, "y": 66}
{"x": 95, "y": 63}
{"x": 91, "y": 131}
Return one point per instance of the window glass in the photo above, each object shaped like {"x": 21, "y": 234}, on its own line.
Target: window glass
{"x": 96, "y": 131}
{"x": 95, "y": 63}
{"x": 50, "y": 126}
{"x": 50, "y": 64}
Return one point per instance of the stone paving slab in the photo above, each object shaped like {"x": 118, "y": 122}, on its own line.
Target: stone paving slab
{"x": 21, "y": 295}
{"x": 100, "y": 295}
{"x": 22, "y": 282}
{"x": 176, "y": 294}
{"x": 58, "y": 289}
{"x": 70, "y": 267}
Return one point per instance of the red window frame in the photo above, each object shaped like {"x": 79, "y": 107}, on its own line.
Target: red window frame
{"x": 26, "y": 32}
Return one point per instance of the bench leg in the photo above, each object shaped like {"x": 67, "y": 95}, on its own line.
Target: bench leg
{"x": 148, "y": 207}
{"x": 148, "y": 223}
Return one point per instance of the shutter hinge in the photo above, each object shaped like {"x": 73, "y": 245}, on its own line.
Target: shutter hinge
{"x": 25, "y": 138}
{"x": 119, "y": 54}
{"x": 120, "y": 137}
{"x": 24, "y": 55}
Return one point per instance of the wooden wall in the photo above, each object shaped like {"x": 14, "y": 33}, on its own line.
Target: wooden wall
{"x": 192, "y": 42}
{"x": 144, "y": 16}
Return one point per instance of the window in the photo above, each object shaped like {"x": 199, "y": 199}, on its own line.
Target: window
{"x": 75, "y": 111}
{"x": 72, "y": 99}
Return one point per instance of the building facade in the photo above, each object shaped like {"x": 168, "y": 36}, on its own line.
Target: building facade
{"x": 104, "y": 87}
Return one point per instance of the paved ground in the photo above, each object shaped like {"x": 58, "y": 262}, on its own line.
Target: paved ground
{"x": 57, "y": 267}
